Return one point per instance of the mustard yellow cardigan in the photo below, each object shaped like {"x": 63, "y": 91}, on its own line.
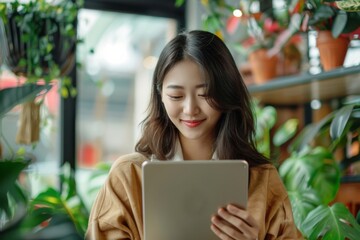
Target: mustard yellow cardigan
{"x": 117, "y": 211}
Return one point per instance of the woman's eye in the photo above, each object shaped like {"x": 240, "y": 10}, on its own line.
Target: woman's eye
{"x": 203, "y": 95}
{"x": 172, "y": 97}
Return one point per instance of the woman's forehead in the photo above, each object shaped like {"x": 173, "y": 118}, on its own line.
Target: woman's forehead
{"x": 185, "y": 72}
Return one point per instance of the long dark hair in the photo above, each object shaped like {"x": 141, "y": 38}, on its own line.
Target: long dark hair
{"x": 226, "y": 92}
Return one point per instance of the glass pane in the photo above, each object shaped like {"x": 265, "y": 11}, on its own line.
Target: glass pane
{"x": 44, "y": 153}
{"x": 117, "y": 60}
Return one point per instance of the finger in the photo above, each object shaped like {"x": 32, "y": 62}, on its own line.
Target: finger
{"x": 236, "y": 223}
{"x": 219, "y": 233}
{"x": 226, "y": 230}
{"x": 243, "y": 214}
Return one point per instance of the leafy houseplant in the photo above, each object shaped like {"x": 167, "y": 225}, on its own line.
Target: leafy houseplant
{"x": 312, "y": 175}
{"x": 39, "y": 38}
{"x": 269, "y": 138}
{"x": 50, "y": 215}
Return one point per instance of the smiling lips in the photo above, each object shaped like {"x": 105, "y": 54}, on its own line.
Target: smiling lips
{"x": 192, "y": 123}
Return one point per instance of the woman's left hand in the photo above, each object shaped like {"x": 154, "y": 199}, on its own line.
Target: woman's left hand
{"x": 234, "y": 223}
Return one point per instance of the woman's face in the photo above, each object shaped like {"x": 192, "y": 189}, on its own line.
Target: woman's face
{"x": 183, "y": 95}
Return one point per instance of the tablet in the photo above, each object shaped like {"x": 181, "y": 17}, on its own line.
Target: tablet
{"x": 179, "y": 197}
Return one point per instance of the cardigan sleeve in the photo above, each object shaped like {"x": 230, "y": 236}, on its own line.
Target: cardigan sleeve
{"x": 117, "y": 210}
{"x": 282, "y": 224}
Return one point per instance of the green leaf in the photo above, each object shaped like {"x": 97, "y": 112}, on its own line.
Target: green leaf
{"x": 49, "y": 198}
{"x": 9, "y": 172}
{"x": 339, "y": 24}
{"x": 285, "y": 132}
{"x": 314, "y": 169}
{"x": 326, "y": 179}
{"x": 179, "y": 3}
{"x": 349, "y": 5}
{"x": 340, "y": 120}
{"x": 10, "y": 97}
{"x": 9, "y": 188}
{"x": 268, "y": 116}
{"x": 328, "y": 223}
{"x": 37, "y": 216}
{"x": 308, "y": 134}
{"x": 303, "y": 201}
{"x": 324, "y": 12}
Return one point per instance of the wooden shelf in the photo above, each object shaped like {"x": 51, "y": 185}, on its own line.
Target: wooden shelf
{"x": 300, "y": 89}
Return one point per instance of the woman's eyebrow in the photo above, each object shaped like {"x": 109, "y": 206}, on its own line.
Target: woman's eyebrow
{"x": 173, "y": 86}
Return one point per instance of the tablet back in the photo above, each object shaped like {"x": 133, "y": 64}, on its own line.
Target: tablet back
{"x": 179, "y": 198}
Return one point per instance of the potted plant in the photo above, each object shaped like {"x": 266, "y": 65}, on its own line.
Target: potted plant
{"x": 313, "y": 171}
{"x": 336, "y": 23}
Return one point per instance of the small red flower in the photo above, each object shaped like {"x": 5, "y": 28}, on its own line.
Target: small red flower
{"x": 271, "y": 26}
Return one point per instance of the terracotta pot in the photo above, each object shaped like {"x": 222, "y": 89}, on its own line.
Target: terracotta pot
{"x": 263, "y": 67}
{"x": 332, "y": 50}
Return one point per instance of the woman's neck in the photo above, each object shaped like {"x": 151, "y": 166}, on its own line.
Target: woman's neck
{"x": 196, "y": 150}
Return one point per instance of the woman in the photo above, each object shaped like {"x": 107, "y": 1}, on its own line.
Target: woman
{"x": 199, "y": 109}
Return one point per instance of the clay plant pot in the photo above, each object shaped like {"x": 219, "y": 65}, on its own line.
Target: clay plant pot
{"x": 263, "y": 67}
{"x": 332, "y": 50}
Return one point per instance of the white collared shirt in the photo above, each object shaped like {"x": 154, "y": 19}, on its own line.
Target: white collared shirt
{"x": 178, "y": 156}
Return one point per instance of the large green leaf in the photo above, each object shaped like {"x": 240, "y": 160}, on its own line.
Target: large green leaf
{"x": 302, "y": 202}
{"x": 9, "y": 172}
{"x": 296, "y": 172}
{"x": 9, "y": 189}
{"x": 74, "y": 207}
{"x": 328, "y": 223}
{"x": 309, "y": 133}
{"x": 285, "y": 132}
{"x": 314, "y": 169}
{"x": 339, "y": 24}
{"x": 13, "y": 199}
{"x": 268, "y": 117}
{"x": 10, "y": 97}
{"x": 324, "y": 12}
{"x": 340, "y": 120}
{"x": 326, "y": 179}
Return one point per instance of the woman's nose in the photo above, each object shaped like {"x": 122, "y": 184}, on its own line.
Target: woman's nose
{"x": 191, "y": 106}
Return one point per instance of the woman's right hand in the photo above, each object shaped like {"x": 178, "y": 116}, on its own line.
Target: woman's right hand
{"x": 233, "y": 222}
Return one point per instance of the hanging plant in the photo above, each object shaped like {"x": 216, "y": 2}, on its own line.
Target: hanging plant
{"x": 39, "y": 39}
